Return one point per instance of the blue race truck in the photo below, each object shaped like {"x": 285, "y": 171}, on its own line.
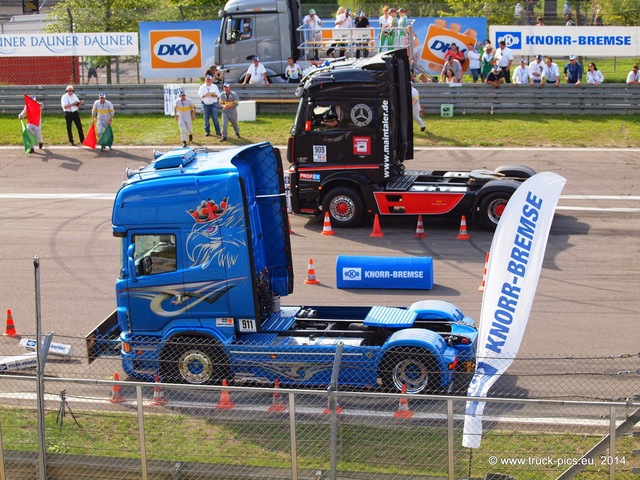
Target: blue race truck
{"x": 206, "y": 257}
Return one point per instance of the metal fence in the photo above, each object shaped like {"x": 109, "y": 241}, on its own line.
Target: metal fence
{"x": 547, "y": 417}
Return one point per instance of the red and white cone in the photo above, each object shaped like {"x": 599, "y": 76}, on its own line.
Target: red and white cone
{"x": 326, "y": 226}
{"x": 277, "y": 405}
{"x": 463, "y": 234}
{"x": 420, "y": 229}
{"x": 116, "y": 396}
{"x": 484, "y": 274}
{"x": 159, "y": 399}
{"x": 311, "y": 274}
{"x": 377, "y": 230}
{"x": 403, "y": 406}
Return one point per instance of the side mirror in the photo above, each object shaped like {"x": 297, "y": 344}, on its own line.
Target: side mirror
{"x": 131, "y": 263}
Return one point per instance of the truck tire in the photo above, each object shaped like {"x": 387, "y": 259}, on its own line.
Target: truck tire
{"x": 345, "y": 207}
{"x": 194, "y": 360}
{"x": 516, "y": 171}
{"x": 491, "y": 207}
{"x": 414, "y": 367}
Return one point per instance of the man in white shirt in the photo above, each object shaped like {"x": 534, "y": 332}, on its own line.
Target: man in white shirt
{"x": 550, "y": 73}
{"x": 535, "y": 68}
{"x": 313, "y": 24}
{"x": 522, "y": 74}
{"x": 504, "y": 57}
{"x": 633, "y": 78}
{"x": 256, "y": 74}
{"x": 70, "y": 104}
{"x": 209, "y": 93}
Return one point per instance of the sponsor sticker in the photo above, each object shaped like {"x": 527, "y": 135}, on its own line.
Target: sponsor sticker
{"x": 175, "y": 49}
{"x": 362, "y": 145}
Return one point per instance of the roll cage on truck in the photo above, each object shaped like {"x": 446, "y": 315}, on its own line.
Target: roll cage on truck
{"x": 357, "y": 167}
{"x": 205, "y": 258}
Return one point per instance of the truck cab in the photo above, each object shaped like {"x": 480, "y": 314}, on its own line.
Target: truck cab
{"x": 262, "y": 28}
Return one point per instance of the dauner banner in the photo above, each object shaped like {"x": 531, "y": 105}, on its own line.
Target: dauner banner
{"x": 515, "y": 261}
{"x": 69, "y": 44}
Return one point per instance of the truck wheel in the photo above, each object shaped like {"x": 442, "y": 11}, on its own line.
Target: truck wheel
{"x": 491, "y": 207}
{"x": 416, "y": 368}
{"x": 345, "y": 207}
{"x": 194, "y": 360}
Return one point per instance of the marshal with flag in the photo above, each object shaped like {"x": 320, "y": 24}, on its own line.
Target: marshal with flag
{"x": 513, "y": 270}
{"x": 33, "y": 110}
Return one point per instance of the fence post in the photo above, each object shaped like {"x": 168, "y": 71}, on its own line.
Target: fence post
{"x": 292, "y": 436}
{"x": 450, "y": 443}
{"x": 143, "y": 444}
{"x": 333, "y": 407}
{"x": 2, "y": 473}
{"x": 41, "y": 358}
{"x": 612, "y": 442}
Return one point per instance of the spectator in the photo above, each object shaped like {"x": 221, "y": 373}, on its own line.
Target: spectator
{"x": 550, "y": 73}
{"x": 495, "y": 77}
{"x": 313, "y": 24}
{"x": 417, "y": 108}
{"x": 33, "y": 128}
{"x": 343, "y": 21}
{"x": 91, "y": 71}
{"x": 455, "y": 52}
{"x": 218, "y": 75}
{"x": 488, "y": 61}
{"x": 504, "y": 57}
{"x": 386, "y": 28}
{"x": 449, "y": 76}
{"x": 518, "y": 13}
{"x": 633, "y": 78}
{"x": 539, "y": 22}
{"x": 362, "y": 22}
{"x": 522, "y": 74}
{"x": 209, "y": 94}
{"x": 246, "y": 31}
{"x": 70, "y": 104}
{"x": 569, "y": 20}
{"x": 229, "y": 101}
{"x": 535, "y": 68}
{"x": 454, "y": 65}
{"x": 594, "y": 76}
{"x": 402, "y": 24}
{"x": 256, "y": 73}
{"x": 573, "y": 71}
{"x": 185, "y": 112}
{"x": 293, "y": 72}
{"x": 102, "y": 113}
{"x": 474, "y": 61}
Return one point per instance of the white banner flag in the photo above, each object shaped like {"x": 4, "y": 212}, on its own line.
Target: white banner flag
{"x": 515, "y": 261}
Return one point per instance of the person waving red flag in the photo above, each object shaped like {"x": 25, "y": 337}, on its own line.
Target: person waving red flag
{"x": 90, "y": 140}
{"x": 33, "y": 110}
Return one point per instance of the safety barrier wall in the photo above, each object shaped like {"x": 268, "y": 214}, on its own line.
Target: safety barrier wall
{"x": 280, "y": 98}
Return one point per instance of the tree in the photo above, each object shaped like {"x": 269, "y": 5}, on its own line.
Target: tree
{"x": 620, "y": 12}
{"x": 496, "y": 12}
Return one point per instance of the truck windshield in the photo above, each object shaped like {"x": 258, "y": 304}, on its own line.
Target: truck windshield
{"x": 154, "y": 253}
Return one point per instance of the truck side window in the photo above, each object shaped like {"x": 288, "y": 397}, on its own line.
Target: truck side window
{"x": 239, "y": 29}
{"x": 154, "y": 253}
{"x": 324, "y": 117}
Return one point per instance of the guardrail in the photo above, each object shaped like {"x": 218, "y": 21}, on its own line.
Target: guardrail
{"x": 279, "y": 98}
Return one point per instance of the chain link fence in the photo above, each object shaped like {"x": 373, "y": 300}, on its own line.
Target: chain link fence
{"x": 546, "y": 415}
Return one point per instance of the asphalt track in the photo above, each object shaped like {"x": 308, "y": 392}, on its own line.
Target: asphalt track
{"x": 56, "y": 204}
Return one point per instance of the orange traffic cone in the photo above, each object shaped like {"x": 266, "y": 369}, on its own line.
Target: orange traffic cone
{"x": 403, "y": 406}
{"x": 225, "y": 402}
{"x": 311, "y": 274}
{"x": 276, "y": 403}
{"x": 420, "y": 229}
{"x": 484, "y": 274}
{"x": 463, "y": 235}
{"x": 10, "y": 330}
{"x": 327, "y": 410}
{"x": 158, "y": 395}
{"x": 326, "y": 226}
{"x": 377, "y": 231}
{"x": 116, "y": 396}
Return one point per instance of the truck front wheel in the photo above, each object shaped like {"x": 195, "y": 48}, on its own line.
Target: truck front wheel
{"x": 491, "y": 208}
{"x": 416, "y": 368}
{"x": 195, "y": 360}
{"x": 345, "y": 207}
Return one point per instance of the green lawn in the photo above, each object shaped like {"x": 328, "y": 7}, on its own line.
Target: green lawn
{"x": 460, "y": 131}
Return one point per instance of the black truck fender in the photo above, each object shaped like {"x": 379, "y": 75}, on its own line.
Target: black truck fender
{"x": 490, "y": 200}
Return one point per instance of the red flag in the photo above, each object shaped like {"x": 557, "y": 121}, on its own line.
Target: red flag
{"x": 90, "y": 140}
{"x": 33, "y": 111}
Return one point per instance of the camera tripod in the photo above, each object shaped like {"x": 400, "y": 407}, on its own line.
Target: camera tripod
{"x": 62, "y": 409}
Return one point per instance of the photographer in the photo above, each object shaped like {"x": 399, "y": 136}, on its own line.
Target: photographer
{"x": 218, "y": 75}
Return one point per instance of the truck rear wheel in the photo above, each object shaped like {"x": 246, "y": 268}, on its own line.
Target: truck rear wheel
{"x": 491, "y": 208}
{"x": 194, "y": 360}
{"x": 414, "y": 367}
{"x": 345, "y": 207}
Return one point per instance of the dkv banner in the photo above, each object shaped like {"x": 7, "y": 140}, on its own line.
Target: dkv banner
{"x": 515, "y": 261}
